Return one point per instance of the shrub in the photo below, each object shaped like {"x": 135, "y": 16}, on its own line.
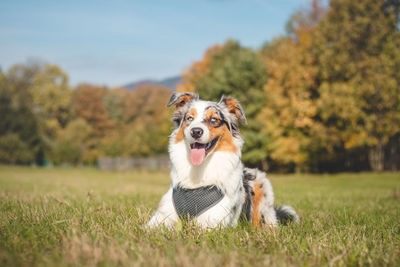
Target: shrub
{"x": 13, "y": 150}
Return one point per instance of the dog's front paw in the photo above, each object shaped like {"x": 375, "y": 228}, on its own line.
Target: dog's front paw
{"x": 153, "y": 223}
{"x": 157, "y": 221}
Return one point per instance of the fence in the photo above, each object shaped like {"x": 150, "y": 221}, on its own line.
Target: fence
{"x": 125, "y": 163}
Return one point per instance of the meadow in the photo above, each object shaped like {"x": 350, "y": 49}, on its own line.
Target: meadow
{"x": 78, "y": 216}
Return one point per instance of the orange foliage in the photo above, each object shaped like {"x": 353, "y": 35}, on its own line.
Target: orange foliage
{"x": 88, "y": 105}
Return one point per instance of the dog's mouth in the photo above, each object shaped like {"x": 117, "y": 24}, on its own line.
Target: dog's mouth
{"x": 198, "y": 151}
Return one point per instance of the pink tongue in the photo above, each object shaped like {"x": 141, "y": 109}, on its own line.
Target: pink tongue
{"x": 197, "y": 156}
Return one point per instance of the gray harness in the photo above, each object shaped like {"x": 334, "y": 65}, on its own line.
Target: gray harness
{"x": 193, "y": 202}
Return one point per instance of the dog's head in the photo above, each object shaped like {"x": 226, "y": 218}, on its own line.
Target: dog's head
{"x": 205, "y": 126}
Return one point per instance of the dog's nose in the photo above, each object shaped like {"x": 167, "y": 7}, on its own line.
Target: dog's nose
{"x": 196, "y": 132}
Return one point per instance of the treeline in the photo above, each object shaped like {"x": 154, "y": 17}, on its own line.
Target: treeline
{"x": 326, "y": 97}
{"x": 323, "y": 98}
{"x": 45, "y": 121}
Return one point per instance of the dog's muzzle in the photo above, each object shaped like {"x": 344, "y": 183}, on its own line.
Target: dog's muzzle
{"x": 196, "y": 132}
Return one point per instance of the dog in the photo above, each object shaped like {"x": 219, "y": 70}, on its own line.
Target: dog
{"x": 209, "y": 184}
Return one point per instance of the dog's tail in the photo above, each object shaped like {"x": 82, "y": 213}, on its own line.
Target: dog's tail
{"x": 286, "y": 214}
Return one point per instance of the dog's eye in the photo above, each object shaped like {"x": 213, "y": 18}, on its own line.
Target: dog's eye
{"x": 213, "y": 119}
{"x": 190, "y": 118}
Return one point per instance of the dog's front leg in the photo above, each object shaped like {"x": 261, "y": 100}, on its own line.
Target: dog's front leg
{"x": 165, "y": 214}
{"x": 224, "y": 214}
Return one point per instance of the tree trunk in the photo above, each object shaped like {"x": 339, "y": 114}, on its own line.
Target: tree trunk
{"x": 264, "y": 165}
{"x": 376, "y": 157}
{"x": 394, "y": 157}
{"x": 297, "y": 169}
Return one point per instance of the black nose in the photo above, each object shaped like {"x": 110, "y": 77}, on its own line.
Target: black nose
{"x": 196, "y": 132}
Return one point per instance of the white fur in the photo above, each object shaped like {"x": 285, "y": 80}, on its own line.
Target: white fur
{"x": 197, "y": 123}
{"x": 223, "y": 169}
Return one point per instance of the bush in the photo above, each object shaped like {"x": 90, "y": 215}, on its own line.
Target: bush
{"x": 13, "y": 150}
{"x": 66, "y": 152}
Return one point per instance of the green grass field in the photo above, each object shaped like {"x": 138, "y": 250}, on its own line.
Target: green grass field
{"x": 60, "y": 217}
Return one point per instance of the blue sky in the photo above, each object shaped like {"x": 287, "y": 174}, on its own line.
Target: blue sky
{"x": 116, "y": 42}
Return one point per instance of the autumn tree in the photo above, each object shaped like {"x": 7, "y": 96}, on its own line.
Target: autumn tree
{"x": 358, "y": 47}
{"x": 87, "y": 101}
{"x": 288, "y": 116}
{"x": 51, "y": 100}
{"x": 52, "y": 95}
{"x": 72, "y": 143}
{"x": 146, "y": 124}
{"x": 114, "y": 100}
{"x": 88, "y": 104}
{"x": 151, "y": 120}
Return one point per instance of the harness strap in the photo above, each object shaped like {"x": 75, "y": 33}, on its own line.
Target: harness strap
{"x": 193, "y": 202}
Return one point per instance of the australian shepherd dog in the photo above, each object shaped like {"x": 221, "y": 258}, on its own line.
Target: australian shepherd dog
{"x": 209, "y": 184}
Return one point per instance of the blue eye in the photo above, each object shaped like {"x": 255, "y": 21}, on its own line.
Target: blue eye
{"x": 213, "y": 119}
{"x": 190, "y": 118}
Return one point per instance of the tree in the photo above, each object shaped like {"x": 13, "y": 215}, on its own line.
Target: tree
{"x": 238, "y": 72}
{"x": 114, "y": 100}
{"x": 88, "y": 104}
{"x": 303, "y": 23}
{"x": 51, "y": 95}
{"x": 358, "y": 47}
{"x": 146, "y": 126}
{"x": 14, "y": 151}
{"x": 51, "y": 99}
{"x": 288, "y": 116}
{"x": 19, "y": 81}
{"x": 151, "y": 121}
{"x": 19, "y": 129}
{"x": 72, "y": 143}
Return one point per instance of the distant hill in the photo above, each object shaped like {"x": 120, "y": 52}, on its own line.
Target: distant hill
{"x": 171, "y": 83}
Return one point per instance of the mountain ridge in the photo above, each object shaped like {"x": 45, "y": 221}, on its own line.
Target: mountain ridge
{"x": 169, "y": 82}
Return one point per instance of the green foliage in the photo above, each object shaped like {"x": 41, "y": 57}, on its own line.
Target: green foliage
{"x": 113, "y": 145}
{"x": 18, "y": 124}
{"x": 78, "y": 131}
{"x": 51, "y": 95}
{"x": 14, "y": 151}
{"x": 239, "y": 72}
{"x": 114, "y": 102}
{"x": 51, "y": 100}
{"x": 72, "y": 143}
{"x": 66, "y": 153}
{"x": 19, "y": 81}
{"x": 235, "y": 71}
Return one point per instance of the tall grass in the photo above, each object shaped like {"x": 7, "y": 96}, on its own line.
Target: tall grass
{"x": 87, "y": 217}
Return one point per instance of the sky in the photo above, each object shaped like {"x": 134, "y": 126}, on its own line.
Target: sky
{"x": 117, "y": 42}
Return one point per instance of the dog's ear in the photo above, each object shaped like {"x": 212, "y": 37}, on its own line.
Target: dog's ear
{"x": 234, "y": 108}
{"x": 180, "y": 100}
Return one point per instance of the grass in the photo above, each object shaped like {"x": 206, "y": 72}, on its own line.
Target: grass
{"x": 87, "y": 217}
